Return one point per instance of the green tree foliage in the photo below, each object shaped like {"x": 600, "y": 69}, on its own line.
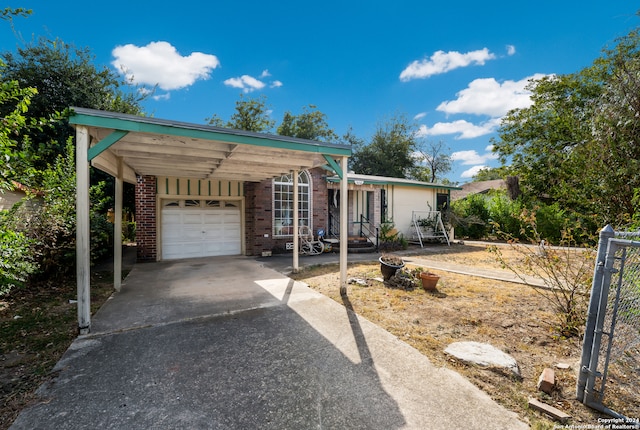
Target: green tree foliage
{"x": 577, "y": 144}
{"x": 16, "y": 101}
{"x": 63, "y": 76}
{"x": 491, "y": 173}
{"x": 390, "y": 151}
{"x": 16, "y": 264}
{"x": 470, "y": 217}
{"x": 310, "y": 124}
{"x": 251, "y": 114}
{"x": 479, "y": 215}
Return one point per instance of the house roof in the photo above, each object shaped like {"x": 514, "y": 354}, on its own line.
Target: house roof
{"x": 157, "y": 147}
{"x": 479, "y": 187}
{"x": 384, "y": 180}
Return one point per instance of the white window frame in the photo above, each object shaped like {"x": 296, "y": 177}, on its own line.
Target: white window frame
{"x": 282, "y": 202}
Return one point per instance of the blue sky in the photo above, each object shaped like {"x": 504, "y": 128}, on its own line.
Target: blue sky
{"x": 454, "y": 67}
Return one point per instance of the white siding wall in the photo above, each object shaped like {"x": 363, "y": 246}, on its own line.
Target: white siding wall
{"x": 404, "y": 200}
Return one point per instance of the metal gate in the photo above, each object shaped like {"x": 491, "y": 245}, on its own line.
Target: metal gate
{"x": 613, "y": 322}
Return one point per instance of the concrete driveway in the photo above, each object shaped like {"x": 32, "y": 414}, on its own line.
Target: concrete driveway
{"x": 227, "y": 343}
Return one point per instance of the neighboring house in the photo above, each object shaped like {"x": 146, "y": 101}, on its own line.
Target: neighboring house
{"x": 197, "y": 218}
{"x": 377, "y": 199}
{"x": 480, "y": 187}
{"x": 9, "y": 198}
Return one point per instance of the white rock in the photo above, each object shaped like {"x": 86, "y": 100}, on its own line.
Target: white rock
{"x": 484, "y": 355}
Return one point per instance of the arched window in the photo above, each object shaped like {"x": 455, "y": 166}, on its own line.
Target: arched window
{"x": 283, "y": 203}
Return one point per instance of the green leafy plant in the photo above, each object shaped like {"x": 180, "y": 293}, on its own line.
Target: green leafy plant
{"x": 390, "y": 238}
{"x": 15, "y": 262}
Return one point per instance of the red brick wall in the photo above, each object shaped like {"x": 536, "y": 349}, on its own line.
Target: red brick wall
{"x": 146, "y": 218}
{"x": 259, "y": 213}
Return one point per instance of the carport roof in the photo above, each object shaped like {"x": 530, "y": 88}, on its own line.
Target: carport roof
{"x": 157, "y": 147}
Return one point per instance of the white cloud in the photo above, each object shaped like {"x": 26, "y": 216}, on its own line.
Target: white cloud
{"x": 420, "y": 116}
{"x": 464, "y": 129}
{"x": 160, "y": 63}
{"x": 489, "y": 97}
{"x": 511, "y": 50}
{"x": 249, "y": 84}
{"x": 442, "y": 62}
{"x": 165, "y": 96}
{"x": 472, "y": 157}
{"x": 246, "y": 83}
{"x": 470, "y": 173}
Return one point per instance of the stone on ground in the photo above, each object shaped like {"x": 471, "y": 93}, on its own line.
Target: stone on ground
{"x": 484, "y": 355}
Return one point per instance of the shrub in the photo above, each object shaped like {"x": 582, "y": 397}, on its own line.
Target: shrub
{"x": 566, "y": 271}
{"x": 471, "y": 216}
{"x": 15, "y": 262}
{"x": 390, "y": 238}
{"x": 505, "y": 214}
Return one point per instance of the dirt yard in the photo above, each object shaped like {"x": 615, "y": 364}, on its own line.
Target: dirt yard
{"x": 510, "y": 316}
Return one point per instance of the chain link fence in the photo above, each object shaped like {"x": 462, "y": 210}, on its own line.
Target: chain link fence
{"x": 610, "y": 356}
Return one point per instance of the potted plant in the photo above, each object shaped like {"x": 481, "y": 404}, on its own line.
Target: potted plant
{"x": 429, "y": 280}
{"x": 389, "y": 264}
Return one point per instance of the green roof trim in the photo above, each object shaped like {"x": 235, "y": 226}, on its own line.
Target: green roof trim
{"x": 105, "y": 143}
{"x": 133, "y": 123}
{"x": 334, "y": 166}
{"x": 380, "y": 180}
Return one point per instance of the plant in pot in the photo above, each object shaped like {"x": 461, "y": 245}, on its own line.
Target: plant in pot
{"x": 389, "y": 264}
{"x": 429, "y": 280}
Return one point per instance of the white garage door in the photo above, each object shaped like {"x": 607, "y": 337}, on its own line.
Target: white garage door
{"x": 200, "y": 229}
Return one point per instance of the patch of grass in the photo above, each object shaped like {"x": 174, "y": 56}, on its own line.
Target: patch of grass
{"x": 37, "y": 325}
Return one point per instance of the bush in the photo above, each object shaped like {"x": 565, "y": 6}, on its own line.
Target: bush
{"x": 15, "y": 262}
{"x": 390, "y": 239}
{"x": 505, "y": 214}
{"x": 565, "y": 269}
{"x": 471, "y": 216}
{"x": 49, "y": 226}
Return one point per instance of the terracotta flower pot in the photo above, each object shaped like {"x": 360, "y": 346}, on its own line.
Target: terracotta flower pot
{"x": 429, "y": 281}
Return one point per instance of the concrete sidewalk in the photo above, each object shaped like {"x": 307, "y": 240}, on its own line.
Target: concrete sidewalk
{"x": 227, "y": 343}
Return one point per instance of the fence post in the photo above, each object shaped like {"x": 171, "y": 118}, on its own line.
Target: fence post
{"x": 596, "y": 287}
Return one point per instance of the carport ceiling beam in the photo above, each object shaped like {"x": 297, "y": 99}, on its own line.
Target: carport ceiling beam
{"x": 105, "y": 143}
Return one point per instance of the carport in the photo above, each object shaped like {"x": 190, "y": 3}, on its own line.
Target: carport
{"x": 126, "y": 146}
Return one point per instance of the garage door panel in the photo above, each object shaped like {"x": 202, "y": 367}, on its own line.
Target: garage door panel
{"x": 200, "y": 232}
{"x": 192, "y": 218}
{"x": 184, "y": 250}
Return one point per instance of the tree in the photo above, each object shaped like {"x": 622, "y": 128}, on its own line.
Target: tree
{"x": 64, "y": 76}
{"x": 432, "y": 162}
{"x": 311, "y": 124}
{"x": 16, "y": 101}
{"x": 577, "y": 144}
{"x": 390, "y": 152}
{"x": 491, "y": 173}
{"x": 251, "y": 114}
